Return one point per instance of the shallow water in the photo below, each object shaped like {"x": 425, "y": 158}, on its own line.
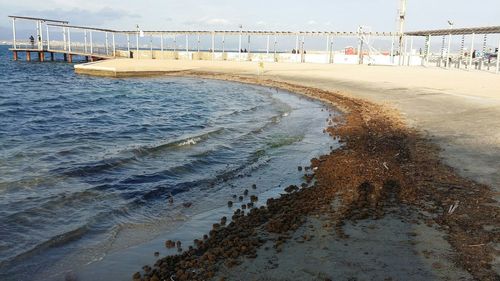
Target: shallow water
{"x": 87, "y": 164}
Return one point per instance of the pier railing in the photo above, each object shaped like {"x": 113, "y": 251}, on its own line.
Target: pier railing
{"x": 56, "y": 36}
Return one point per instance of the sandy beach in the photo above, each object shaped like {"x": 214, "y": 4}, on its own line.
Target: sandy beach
{"x": 411, "y": 195}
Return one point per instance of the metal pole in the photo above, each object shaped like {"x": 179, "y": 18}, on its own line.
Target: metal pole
{"x": 411, "y": 51}
{"x": 392, "y": 49}
{"x": 175, "y": 43}
{"x": 91, "y": 43}
{"x": 85, "y": 41}
{"x": 302, "y": 57}
{"x": 402, "y": 18}
{"x": 198, "y": 42}
{"x": 223, "y": 43}
{"x": 137, "y": 42}
{"x": 41, "y": 35}
{"x": 14, "y": 44}
{"x": 498, "y": 57}
{"x": 151, "y": 45}
{"x": 128, "y": 43}
{"x": 107, "y": 43}
{"x": 428, "y": 50}
{"x": 248, "y": 43}
{"x": 448, "y": 64}
{"x": 275, "y": 44}
{"x": 471, "y": 51}
{"x": 187, "y": 44}
{"x": 161, "y": 45}
{"x": 297, "y": 48}
{"x": 213, "y": 45}
{"x": 48, "y": 38}
{"x": 267, "y": 45}
{"x": 69, "y": 39}
{"x": 331, "y": 50}
{"x": 239, "y": 44}
{"x": 114, "y": 46}
{"x": 38, "y": 34}
{"x": 64, "y": 37}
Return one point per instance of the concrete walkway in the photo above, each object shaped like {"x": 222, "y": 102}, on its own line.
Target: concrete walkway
{"x": 459, "y": 110}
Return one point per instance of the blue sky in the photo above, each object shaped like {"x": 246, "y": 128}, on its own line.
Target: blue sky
{"x": 343, "y": 15}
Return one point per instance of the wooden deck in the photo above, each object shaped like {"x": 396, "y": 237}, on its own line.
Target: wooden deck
{"x": 68, "y": 55}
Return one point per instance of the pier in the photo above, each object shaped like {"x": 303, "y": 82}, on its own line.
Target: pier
{"x": 363, "y": 46}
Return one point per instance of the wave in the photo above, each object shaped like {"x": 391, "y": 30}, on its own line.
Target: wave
{"x": 92, "y": 168}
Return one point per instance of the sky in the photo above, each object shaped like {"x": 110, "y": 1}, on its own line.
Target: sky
{"x": 334, "y": 15}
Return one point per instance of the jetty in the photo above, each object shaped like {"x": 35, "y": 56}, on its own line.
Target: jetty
{"x": 91, "y": 43}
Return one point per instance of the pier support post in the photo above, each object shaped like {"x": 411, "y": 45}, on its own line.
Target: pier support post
{"x": 65, "y": 57}
{"x": 15, "y": 55}
{"x": 28, "y": 56}
{"x": 70, "y": 58}
{"x": 51, "y": 56}
{"x": 41, "y": 56}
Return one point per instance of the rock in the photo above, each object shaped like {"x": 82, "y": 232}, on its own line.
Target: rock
{"x": 254, "y": 186}
{"x": 245, "y": 192}
{"x": 229, "y": 204}
{"x": 136, "y": 276}
{"x": 187, "y": 204}
{"x": 157, "y": 254}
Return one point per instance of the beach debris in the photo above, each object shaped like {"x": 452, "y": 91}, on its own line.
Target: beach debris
{"x": 453, "y": 207}
{"x": 136, "y": 276}
{"x": 385, "y": 166}
{"x": 169, "y": 244}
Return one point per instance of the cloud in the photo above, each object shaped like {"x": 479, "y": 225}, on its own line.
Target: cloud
{"x": 79, "y": 16}
{"x": 312, "y": 22}
{"x": 209, "y": 21}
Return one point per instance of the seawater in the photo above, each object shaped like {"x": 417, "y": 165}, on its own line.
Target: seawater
{"x": 87, "y": 165}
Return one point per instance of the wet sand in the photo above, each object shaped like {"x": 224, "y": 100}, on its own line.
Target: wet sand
{"x": 384, "y": 206}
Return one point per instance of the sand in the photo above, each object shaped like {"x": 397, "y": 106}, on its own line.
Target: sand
{"x": 375, "y": 237}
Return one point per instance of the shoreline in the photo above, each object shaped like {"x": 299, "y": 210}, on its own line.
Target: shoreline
{"x": 367, "y": 192}
{"x": 418, "y": 179}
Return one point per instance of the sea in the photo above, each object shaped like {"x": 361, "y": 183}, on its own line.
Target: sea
{"x": 96, "y": 173}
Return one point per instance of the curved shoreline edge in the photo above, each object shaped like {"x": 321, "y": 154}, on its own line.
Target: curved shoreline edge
{"x": 383, "y": 164}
